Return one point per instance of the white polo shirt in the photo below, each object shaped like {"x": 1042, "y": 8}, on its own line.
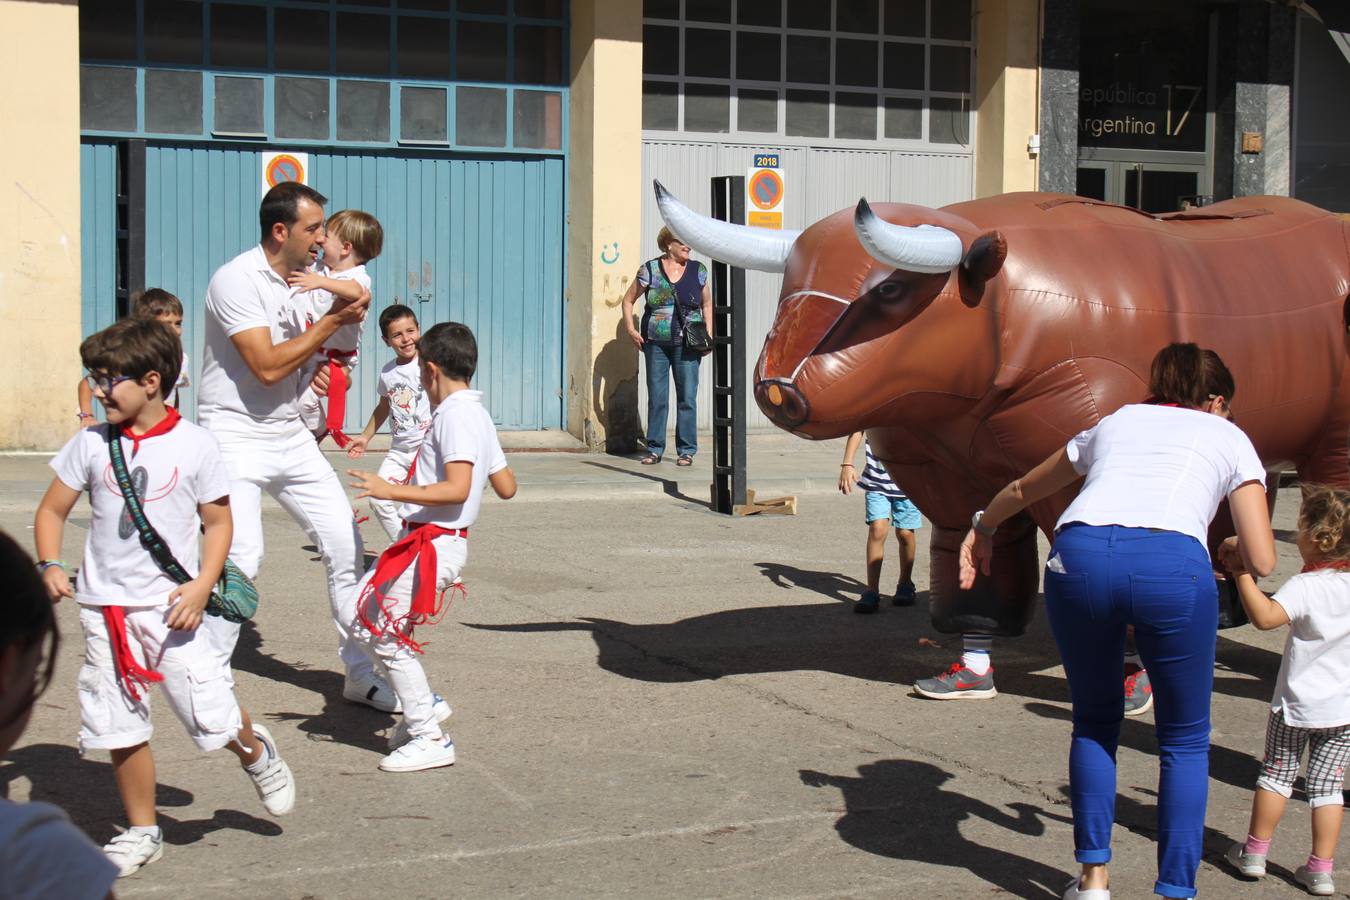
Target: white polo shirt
{"x": 461, "y": 431}
{"x": 1166, "y": 467}
{"x": 246, "y": 293}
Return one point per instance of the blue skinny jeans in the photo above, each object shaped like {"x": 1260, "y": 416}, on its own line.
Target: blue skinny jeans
{"x": 1161, "y": 582}
{"x": 663, "y": 361}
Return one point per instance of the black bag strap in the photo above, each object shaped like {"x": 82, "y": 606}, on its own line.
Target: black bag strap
{"x": 150, "y": 538}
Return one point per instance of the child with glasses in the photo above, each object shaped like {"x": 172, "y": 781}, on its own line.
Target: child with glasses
{"x": 153, "y": 303}
{"x": 140, "y": 625}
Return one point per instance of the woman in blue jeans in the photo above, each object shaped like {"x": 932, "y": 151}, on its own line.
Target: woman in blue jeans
{"x": 665, "y": 281}
{"x": 1131, "y": 550}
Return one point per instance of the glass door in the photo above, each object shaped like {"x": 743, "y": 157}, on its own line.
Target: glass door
{"x": 1150, "y": 187}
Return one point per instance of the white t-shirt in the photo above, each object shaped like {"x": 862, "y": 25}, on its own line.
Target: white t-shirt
{"x": 182, "y": 382}
{"x": 1163, "y": 467}
{"x": 409, "y": 406}
{"x": 43, "y": 855}
{"x": 1311, "y": 689}
{"x": 461, "y": 431}
{"x": 172, "y": 473}
{"x": 246, "y": 293}
{"x": 346, "y": 339}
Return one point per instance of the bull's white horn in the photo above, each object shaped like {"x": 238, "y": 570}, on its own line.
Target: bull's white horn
{"x": 763, "y": 249}
{"x": 930, "y": 249}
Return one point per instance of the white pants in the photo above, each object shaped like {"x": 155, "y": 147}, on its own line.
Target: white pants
{"x": 292, "y": 470}
{"x": 406, "y": 676}
{"x": 393, "y": 468}
{"x": 196, "y": 685}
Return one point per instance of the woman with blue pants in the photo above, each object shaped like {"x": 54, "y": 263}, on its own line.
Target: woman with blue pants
{"x": 1131, "y": 551}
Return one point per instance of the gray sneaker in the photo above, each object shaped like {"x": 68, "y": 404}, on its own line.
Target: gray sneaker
{"x": 1249, "y": 865}
{"x": 1319, "y": 884}
{"x": 957, "y": 683}
{"x": 1138, "y": 691}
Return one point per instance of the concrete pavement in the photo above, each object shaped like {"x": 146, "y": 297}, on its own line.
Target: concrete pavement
{"x": 652, "y": 700}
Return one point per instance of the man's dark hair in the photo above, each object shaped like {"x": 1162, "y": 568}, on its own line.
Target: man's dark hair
{"x": 1188, "y": 375}
{"x": 392, "y": 315}
{"x": 451, "y": 346}
{"x": 282, "y": 204}
{"x": 135, "y": 347}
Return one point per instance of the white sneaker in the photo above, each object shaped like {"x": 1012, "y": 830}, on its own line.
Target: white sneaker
{"x": 275, "y": 783}
{"x": 1250, "y": 865}
{"x": 400, "y": 736}
{"x": 131, "y": 850}
{"x": 1074, "y": 892}
{"x": 420, "y": 753}
{"x": 372, "y": 690}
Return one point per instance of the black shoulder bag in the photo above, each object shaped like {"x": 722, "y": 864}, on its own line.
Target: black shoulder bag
{"x": 696, "y": 337}
{"x": 235, "y": 598}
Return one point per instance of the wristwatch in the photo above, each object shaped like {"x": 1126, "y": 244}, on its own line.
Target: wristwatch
{"x": 982, "y": 530}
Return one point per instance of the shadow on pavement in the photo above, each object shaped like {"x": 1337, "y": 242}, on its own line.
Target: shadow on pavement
{"x": 833, "y": 585}
{"x": 87, "y": 791}
{"x": 340, "y": 721}
{"x": 898, "y": 808}
{"x": 669, "y": 486}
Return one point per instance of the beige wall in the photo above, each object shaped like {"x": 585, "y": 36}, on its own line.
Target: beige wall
{"x": 604, "y": 205}
{"x": 39, "y": 223}
{"x": 1007, "y": 87}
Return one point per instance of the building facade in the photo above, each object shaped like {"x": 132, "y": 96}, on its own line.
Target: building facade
{"x": 508, "y": 148}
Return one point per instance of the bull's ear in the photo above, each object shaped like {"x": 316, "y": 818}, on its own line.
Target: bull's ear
{"x": 982, "y": 262}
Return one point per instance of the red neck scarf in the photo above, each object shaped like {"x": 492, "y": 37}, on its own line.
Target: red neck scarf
{"x": 1340, "y": 564}
{"x": 165, "y": 425}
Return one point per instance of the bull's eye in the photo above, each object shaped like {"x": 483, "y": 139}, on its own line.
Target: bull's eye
{"x": 888, "y": 291}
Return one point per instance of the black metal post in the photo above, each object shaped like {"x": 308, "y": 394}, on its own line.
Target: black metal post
{"x": 728, "y": 487}
{"x": 130, "y": 223}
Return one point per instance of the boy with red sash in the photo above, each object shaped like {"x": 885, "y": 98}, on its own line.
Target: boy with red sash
{"x": 140, "y": 625}
{"x": 458, "y": 458}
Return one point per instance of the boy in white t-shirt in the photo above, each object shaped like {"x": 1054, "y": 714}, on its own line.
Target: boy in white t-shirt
{"x": 136, "y": 619}
{"x": 1311, "y": 706}
{"x": 402, "y": 399}
{"x": 406, "y": 588}
{"x": 152, "y": 303}
{"x": 354, "y": 239}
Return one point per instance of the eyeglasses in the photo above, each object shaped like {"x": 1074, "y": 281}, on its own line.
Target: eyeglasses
{"x": 105, "y": 383}
{"x": 1227, "y": 410}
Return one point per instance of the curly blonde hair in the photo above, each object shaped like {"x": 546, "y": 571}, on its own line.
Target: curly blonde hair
{"x": 1325, "y": 519}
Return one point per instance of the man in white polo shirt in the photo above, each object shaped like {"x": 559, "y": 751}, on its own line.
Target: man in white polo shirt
{"x": 256, "y": 343}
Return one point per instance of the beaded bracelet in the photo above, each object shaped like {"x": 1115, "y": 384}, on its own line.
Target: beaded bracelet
{"x": 45, "y": 564}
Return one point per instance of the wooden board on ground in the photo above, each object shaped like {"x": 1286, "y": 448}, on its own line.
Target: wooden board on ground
{"x": 782, "y": 506}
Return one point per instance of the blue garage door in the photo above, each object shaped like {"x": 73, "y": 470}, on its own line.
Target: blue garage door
{"x": 472, "y": 240}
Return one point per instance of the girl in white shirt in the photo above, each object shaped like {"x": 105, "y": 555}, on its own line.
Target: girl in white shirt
{"x": 1311, "y": 707}
{"x": 1131, "y": 550}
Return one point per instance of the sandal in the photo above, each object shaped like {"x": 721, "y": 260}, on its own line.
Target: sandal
{"x": 685, "y": 461}
{"x": 650, "y": 459}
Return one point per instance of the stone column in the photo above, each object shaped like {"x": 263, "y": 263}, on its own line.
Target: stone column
{"x": 604, "y": 185}
{"x": 1264, "y": 73}
{"x": 40, "y": 228}
{"x": 1059, "y": 96}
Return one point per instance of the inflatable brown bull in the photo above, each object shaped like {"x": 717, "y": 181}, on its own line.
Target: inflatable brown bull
{"x": 972, "y": 341}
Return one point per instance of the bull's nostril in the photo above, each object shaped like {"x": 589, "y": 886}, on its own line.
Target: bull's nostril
{"x": 775, "y": 395}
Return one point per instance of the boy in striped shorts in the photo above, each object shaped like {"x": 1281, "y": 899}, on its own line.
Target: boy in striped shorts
{"x": 887, "y": 507}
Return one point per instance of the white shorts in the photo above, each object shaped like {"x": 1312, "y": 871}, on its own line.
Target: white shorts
{"x": 196, "y": 684}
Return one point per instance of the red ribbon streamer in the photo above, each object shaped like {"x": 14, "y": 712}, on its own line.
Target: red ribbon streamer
{"x": 337, "y": 397}
{"x": 129, "y": 670}
{"x": 427, "y": 606}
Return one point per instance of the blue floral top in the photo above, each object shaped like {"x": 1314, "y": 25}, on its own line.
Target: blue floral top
{"x": 659, "y": 325}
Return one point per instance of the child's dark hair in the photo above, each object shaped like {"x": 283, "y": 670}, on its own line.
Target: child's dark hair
{"x": 135, "y": 347}
{"x": 392, "y": 315}
{"x": 152, "y": 303}
{"x": 1325, "y": 518}
{"x": 1189, "y": 376}
{"x": 451, "y": 346}
{"x": 29, "y": 617}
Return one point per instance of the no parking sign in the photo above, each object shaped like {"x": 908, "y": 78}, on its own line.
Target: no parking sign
{"x": 764, "y": 192}
{"x": 279, "y": 167}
